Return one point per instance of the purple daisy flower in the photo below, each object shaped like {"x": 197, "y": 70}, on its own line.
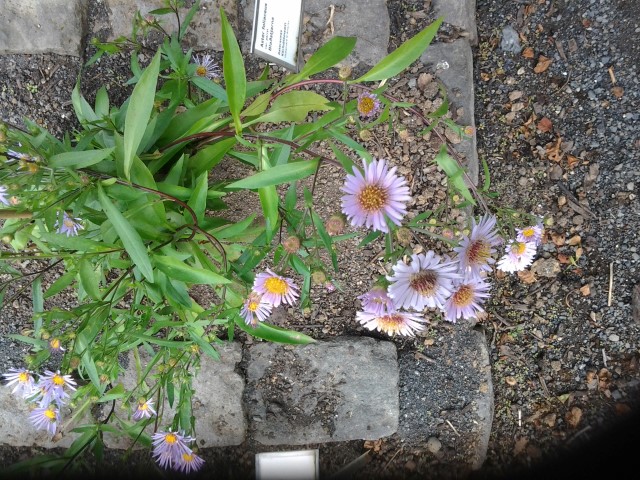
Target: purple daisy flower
{"x": 189, "y": 462}
{"x": 425, "y": 282}
{"x": 519, "y": 256}
{"x": 377, "y": 301}
{"x": 168, "y": 447}
{"x": 466, "y": 299}
{"x": 23, "y": 381}
{"x": 45, "y": 418}
{"x": 206, "y": 66}
{"x": 275, "y": 289}
{"x": 474, "y": 252}
{"x": 255, "y": 309}
{"x": 374, "y": 195}
{"x": 144, "y": 410}
{"x": 368, "y": 104}
{"x": 404, "y": 323}
{"x": 3, "y": 195}
{"x": 51, "y": 388}
{"x": 532, "y": 234}
{"x": 70, "y": 226}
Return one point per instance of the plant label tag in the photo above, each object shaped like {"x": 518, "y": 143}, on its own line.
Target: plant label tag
{"x": 276, "y": 31}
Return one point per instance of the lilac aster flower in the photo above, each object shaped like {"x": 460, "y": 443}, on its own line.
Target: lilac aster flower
{"x": 255, "y": 309}
{"x": 70, "y": 226}
{"x": 206, "y": 66}
{"x": 474, "y": 252}
{"x": 168, "y": 447}
{"x": 374, "y": 195}
{"x": 531, "y": 234}
{"x": 377, "y": 301}
{"x": 466, "y": 299}
{"x": 368, "y": 104}
{"x": 144, "y": 410}
{"x": 3, "y": 195}
{"x": 426, "y": 282}
{"x": 45, "y": 418}
{"x": 52, "y": 388}
{"x": 189, "y": 462}
{"x": 404, "y": 323}
{"x": 55, "y": 345}
{"x": 22, "y": 380}
{"x": 519, "y": 256}
{"x": 275, "y": 289}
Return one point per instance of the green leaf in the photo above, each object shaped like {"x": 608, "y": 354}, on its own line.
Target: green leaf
{"x": 454, "y": 173}
{"x": 60, "y": 284}
{"x": 79, "y": 159}
{"x": 205, "y": 346}
{"x": 139, "y": 111}
{"x": 83, "y": 110}
{"x": 293, "y": 106}
{"x": 326, "y": 238}
{"x": 36, "y": 294}
{"x": 403, "y": 56}
{"x": 102, "y": 102}
{"x": 116, "y": 392}
{"x": 258, "y": 106}
{"x": 130, "y": 237}
{"x": 88, "y": 279}
{"x": 273, "y": 333}
{"x": 179, "y": 270}
{"x": 198, "y": 200}
{"x": 332, "y": 52}
{"x": 269, "y": 202}
{"x": 233, "y": 70}
{"x": 277, "y": 175}
{"x": 210, "y": 156}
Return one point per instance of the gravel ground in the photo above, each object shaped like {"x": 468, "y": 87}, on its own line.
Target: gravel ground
{"x": 556, "y": 124}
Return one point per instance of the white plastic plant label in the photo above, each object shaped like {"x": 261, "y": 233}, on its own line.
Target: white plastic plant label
{"x": 276, "y": 31}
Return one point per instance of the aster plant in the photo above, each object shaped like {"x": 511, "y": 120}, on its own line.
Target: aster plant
{"x": 129, "y": 212}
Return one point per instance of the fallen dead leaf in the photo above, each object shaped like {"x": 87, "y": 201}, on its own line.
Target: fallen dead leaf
{"x": 572, "y": 161}
{"x": 575, "y": 240}
{"x": 527, "y": 276}
{"x": 520, "y": 445}
{"x": 543, "y": 64}
{"x": 554, "y": 151}
{"x": 549, "y": 420}
{"x": 578, "y": 253}
{"x": 573, "y": 416}
{"x": 527, "y": 52}
{"x": 585, "y": 290}
{"x": 564, "y": 259}
{"x": 592, "y": 380}
{"x": 515, "y": 95}
{"x": 511, "y": 380}
{"x": 557, "y": 238}
{"x": 617, "y": 91}
{"x": 622, "y": 408}
{"x": 374, "y": 445}
{"x": 545, "y": 125}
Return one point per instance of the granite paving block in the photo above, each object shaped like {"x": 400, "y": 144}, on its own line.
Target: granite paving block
{"x": 461, "y": 13}
{"x": 33, "y": 26}
{"x": 336, "y": 390}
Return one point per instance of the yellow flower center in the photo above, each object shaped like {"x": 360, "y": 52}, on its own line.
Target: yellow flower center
{"x": 201, "y": 71}
{"x": 252, "y": 306}
{"x": 55, "y": 344}
{"x": 50, "y": 414}
{"x": 366, "y": 105}
{"x": 187, "y": 457}
{"x": 372, "y": 198}
{"x": 170, "y": 438}
{"x": 478, "y": 251}
{"x": 528, "y": 232}
{"x": 24, "y": 377}
{"x": 58, "y": 380}
{"x": 69, "y": 223}
{"x": 391, "y": 323}
{"x": 143, "y": 406}
{"x": 275, "y": 285}
{"x": 518, "y": 248}
{"x": 424, "y": 282}
{"x": 463, "y": 297}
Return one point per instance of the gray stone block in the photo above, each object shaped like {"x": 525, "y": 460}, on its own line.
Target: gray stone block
{"x": 204, "y": 30}
{"x": 33, "y": 26}
{"x": 453, "y": 65}
{"x": 461, "y": 13}
{"x": 337, "y": 390}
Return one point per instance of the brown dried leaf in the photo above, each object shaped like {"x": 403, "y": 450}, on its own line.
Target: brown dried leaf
{"x": 527, "y": 276}
{"x": 549, "y": 420}
{"x": 543, "y": 64}
{"x": 573, "y": 416}
{"x": 557, "y": 238}
{"x": 527, "y": 52}
{"x": 511, "y": 380}
{"x": 572, "y": 161}
{"x": 554, "y": 151}
{"x": 545, "y": 125}
{"x": 575, "y": 240}
{"x": 617, "y": 91}
{"x": 520, "y": 446}
{"x": 562, "y": 258}
{"x": 585, "y": 290}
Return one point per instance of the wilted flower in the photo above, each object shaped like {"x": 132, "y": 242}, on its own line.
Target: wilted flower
{"x": 426, "y": 282}
{"x": 374, "y": 195}
{"x": 51, "y": 387}
{"x": 275, "y": 289}
{"x": 519, "y": 256}
{"x": 70, "y": 226}
{"x": 3, "y": 195}
{"x": 189, "y": 462}
{"x": 255, "y": 309}
{"x": 404, "y": 323}
{"x": 168, "y": 447}
{"x": 466, "y": 298}
{"x": 144, "y": 410}
{"x": 45, "y": 418}
{"x": 206, "y": 66}
{"x": 22, "y": 380}
{"x": 335, "y": 224}
{"x": 377, "y": 301}
{"x": 368, "y": 104}
{"x": 475, "y": 251}
{"x": 291, "y": 244}
{"x": 531, "y": 234}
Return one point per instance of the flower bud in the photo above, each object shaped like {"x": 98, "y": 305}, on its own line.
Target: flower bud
{"x": 291, "y": 244}
{"x": 345, "y": 72}
{"x": 7, "y": 239}
{"x": 335, "y": 225}
{"x": 104, "y": 379}
{"x": 404, "y": 236}
{"x": 318, "y": 277}
{"x": 365, "y": 135}
{"x": 45, "y": 335}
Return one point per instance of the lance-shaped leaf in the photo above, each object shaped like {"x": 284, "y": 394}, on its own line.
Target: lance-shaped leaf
{"x": 293, "y": 106}
{"x": 80, "y": 159}
{"x": 277, "y": 175}
{"x": 274, "y": 334}
{"x": 455, "y": 173}
{"x": 325, "y": 57}
{"x": 403, "y": 56}
{"x": 176, "y": 269}
{"x": 233, "y": 70}
{"x": 130, "y": 237}
{"x": 139, "y": 111}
